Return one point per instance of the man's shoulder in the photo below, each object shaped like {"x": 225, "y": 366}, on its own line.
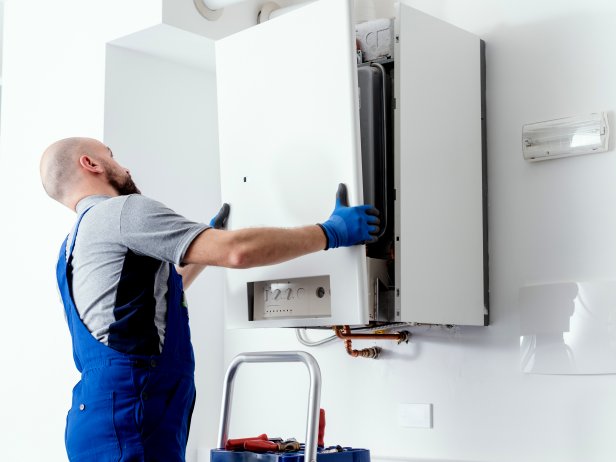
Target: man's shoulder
{"x": 138, "y": 203}
{"x": 132, "y": 202}
{"x": 106, "y": 208}
{"x": 101, "y": 222}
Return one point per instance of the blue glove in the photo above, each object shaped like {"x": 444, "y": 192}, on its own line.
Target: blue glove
{"x": 220, "y": 220}
{"x": 350, "y": 225}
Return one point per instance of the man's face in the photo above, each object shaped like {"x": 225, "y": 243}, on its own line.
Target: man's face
{"x": 119, "y": 177}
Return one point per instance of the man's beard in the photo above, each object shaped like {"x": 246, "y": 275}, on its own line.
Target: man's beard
{"x": 124, "y": 186}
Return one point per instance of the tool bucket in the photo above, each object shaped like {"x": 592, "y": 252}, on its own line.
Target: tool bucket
{"x": 348, "y": 455}
{"x": 309, "y": 452}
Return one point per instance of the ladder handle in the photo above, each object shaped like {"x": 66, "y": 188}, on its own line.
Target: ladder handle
{"x": 314, "y": 400}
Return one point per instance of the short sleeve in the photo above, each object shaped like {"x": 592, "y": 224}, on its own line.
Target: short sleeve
{"x": 148, "y": 227}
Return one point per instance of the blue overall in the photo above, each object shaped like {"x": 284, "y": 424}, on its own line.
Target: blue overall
{"x": 129, "y": 407}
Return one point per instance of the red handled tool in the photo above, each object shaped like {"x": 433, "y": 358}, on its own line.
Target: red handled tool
{"x": 238, "y": 443}
{"x": 320, "y": 442}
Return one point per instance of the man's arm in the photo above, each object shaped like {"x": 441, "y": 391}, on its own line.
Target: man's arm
{"x": 246, "y": 248}
{"x": 189, "y": 273}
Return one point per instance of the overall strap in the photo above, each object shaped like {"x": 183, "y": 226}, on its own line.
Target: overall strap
{"x": 69, "y": 250}
{"x": 63, "y": 274}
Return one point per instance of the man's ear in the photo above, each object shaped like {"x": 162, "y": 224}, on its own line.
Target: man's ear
{"x": 90, "y": 164}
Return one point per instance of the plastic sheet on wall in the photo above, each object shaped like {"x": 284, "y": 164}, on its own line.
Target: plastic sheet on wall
{"x": 568, "y": 328}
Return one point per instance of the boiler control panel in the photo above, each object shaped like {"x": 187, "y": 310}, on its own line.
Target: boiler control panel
{"x": 308, "y": 297}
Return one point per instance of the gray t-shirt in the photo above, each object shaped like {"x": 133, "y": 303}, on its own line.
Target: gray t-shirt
{"x": 120, "y": 268}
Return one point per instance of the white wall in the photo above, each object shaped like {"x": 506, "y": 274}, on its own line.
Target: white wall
{"x": 160, "y": 121}
{"x": 1, "y": 36}
{"x": 549, "y": 222}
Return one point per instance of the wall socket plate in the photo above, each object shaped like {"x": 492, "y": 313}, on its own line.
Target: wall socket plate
{"x": 412, "y": 415}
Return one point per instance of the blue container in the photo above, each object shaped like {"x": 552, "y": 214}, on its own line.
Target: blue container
{"x": 348, "y": 455}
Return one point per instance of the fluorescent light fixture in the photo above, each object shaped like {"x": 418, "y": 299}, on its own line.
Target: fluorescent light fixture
{"x": 570, "y": 136}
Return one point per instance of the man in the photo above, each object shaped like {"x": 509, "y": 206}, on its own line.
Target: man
{"x": 124, "y": 298}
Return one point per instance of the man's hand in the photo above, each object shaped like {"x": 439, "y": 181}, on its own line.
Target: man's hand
{"x": 350, "y": 225}
{"x": 220, "y": 220}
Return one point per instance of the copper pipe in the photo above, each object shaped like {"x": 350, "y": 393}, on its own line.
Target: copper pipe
{"x": 344, "y": 333}
{"x": 372, "y": 352}
{"x": 348, "y": 343}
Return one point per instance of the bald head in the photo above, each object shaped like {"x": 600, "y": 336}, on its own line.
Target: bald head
{"x": 73, "y": 168}
{"x": 60, "y": 166}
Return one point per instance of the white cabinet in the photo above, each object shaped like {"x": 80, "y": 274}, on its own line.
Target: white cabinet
{"x": 289, "y": 133}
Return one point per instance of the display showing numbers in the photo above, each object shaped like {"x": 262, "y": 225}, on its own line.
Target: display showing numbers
{"x": 275, "y": 293}
{"x": 292, "y": 298}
